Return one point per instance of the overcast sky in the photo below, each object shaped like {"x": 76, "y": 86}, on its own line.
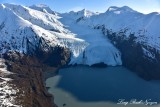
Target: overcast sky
{"x": 144, "y": 6}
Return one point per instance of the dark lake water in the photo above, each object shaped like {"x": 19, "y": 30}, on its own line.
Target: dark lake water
{"x": 83, "y": 86}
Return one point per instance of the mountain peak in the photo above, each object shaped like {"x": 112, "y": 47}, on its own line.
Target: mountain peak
{"x": 117, "y": 10}
{"x": 111, "y": 8}
{"x": 41, "y": 5}
{"x": 86, "y": 13}
{"x": 2, "y": 6}
{"x": 82, "y": 13}
{"x": 126, "y": 8}
{"x": 43, "y": 8}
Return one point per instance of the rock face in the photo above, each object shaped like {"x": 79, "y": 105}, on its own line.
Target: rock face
{"x": 136, "y": 56}
{"x": 27, "y": 76}
{"x": 55, "y": 56}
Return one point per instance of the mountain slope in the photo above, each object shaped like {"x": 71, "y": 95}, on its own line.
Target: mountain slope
{"x": 136, "y": 35}
{"x": 43, "y": 8}
{"x": 129, "y": 21}
{"x": 24, "y": 30}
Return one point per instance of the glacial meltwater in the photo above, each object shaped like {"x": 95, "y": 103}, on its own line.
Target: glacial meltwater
{"x": 83, "y": 86}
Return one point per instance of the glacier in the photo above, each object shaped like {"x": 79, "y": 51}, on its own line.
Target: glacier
{"x": 99, "y": 49}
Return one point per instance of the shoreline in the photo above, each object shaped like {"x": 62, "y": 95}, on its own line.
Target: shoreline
{"x": 47, "y": 74}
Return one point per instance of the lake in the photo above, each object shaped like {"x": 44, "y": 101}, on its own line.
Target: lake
{"x": 84, "y": 86}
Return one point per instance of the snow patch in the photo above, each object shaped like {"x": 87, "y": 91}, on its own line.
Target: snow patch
{"x": 7, "y": 91}
{"x": 148, "y": 53}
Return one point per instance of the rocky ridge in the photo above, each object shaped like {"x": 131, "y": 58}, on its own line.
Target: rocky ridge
{"x": 22, "y": 84}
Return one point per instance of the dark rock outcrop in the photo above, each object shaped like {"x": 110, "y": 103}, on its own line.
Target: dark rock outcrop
{"x": 133, "y": 55}
{"x": 99, "y": 65}
{"x": 57, "y": 56}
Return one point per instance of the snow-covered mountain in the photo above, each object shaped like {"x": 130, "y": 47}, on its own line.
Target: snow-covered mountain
{"x": 99, "y": 49}
{"x": 80, "y": 14}
{"x": 24, "y": 29}
{"x": 129, "y": 21}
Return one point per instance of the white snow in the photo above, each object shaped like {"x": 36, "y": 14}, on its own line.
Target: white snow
{"x": 44, "y": 20}
{"x": 148, "y": 53}
{"x": 16, "y": 27}
{"x": 80, "y": 14}
{"x": 42, "y": 8}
